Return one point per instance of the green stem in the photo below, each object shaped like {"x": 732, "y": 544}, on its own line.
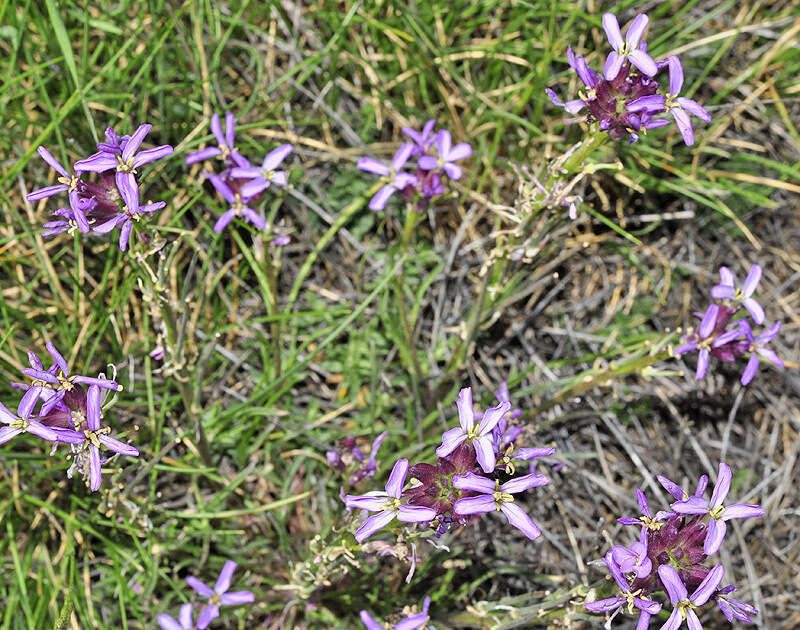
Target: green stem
{"x": 587, "y": 382}
{"x": 412, "y": 217}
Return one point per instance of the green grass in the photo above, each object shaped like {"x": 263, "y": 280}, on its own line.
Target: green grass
{"x": 337, "y": 80}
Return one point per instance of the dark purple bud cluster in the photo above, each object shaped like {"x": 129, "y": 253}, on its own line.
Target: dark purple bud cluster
{"x": 68, "y": 414}
{"x": 466, "y": 480}
{"x": 240, "y": 183}
{"x": 727, "y": 338}
{"x": 625, "y": 99}
{"x": 437, "y": 158}
{"x": 670, "y": 555}
{"x": 111, "y": 202}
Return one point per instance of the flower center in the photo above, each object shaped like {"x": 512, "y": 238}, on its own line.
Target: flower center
{"x": 392, "y": 505}
{"x": 651, "y": 523}
{"x": 125, "y": 167}
{"x": 716, "y": 513}
{"x": 20, "y": 423}
{"x": 65, "y": 382}
{"x": 72, "y": 182}
{"x": 502, "y": 497}
{"x": 629, "y": 596}
{"x": 268, "y": 175}
{"x": 92, "y": 436}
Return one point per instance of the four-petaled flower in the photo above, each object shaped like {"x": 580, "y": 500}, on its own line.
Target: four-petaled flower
{"x": 679, "y": 106}
{"x": 629, "y": 49}
{"x": 59, "y": 382}
{"x": 498, "y": 497}
{"x": 727, "y": 290}
{"x": 646, "y": 520}
{"x": 447, "y": 155}
{"x": 219, "y": 596}
{"x": 21, "y": 423}
{"x": 758, "y": 349}
{"x": 480, "y": 436}
{"x": 718, "y": 513}
{"x": 634, "y": 559}
{"x": 387, "y": 505}
{"x": 125, "y": 218}
{"x": 394, "y": 178}
{"x": 97, "y": 436}
{"x": 679, "y": 493}
{"x": 125, "y": 164}
{"x": 414, "y": 622}
{"x": 633, "y": 600}
{"x": 238, "y": 207}
{"x": 422, "y": 139}
{"x": 703, "y": 340}
{"x": 225, "y": 149}
{"x": 262, "y": 177}
{"x": 734, "y": 608}
{"x": 66, "y": 183}
{"x": 684, "y": 605}
{"x": 184, "y": 620}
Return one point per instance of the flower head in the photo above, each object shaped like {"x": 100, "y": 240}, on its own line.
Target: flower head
{"x": 494, "y": 496}
{"x": 684, "y": 606}
{"x": 224, "y": 149}
{"x": 480, "y": 436}
{"x": 262, "y": 177}
{"x": 719, "y": 514}
{"x": 758, "y": 350}
{"x": 387, "y": 505}
{"x": 219, "y": 596}
{"x": 633, "y": 599}
{"x": 393, "y": 177}
{"x": 448, "y": 154}
{"x": 238, "y": 206}
{"x": 727, "y": 290}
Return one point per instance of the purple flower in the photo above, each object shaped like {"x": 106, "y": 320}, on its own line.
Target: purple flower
{"x": 422, "y": 139}
{"x": 219, "y": 596}
{"x": 684, "y": 606}
{"x": 634, "y": 559}
{"x": 125, "y": 220}
{"x": 74, "y": 217}
{"x": 629, "y": 49}
{"x": 114, "y": 142}
{"x": 498, "y": 497}
{"x": 758, "y": 350}
{"x": 21, "y": 423}
{"x": 97, "y": 436}
{"x": 586, "y": 75}
{"x": 66, "y": 183}
{"x": 126, "y": 164}
{"x": 395, "y": 180}
{"x": 414, "y": 622}
{"x": 718, "y": 513}
{"x": 261, "y": 178}
{"x": 734, "y": 608}
{"x": 387, "y": 505}
{"x": 503, "y": 395}
{"x": 626, "y": 596}
{"x": 185, "y": 620}
{"x": 642, "y": 122}
{"x": 727, "y": 290}
{"x": 704, "y": 341}
{"x": 225, "y": 148}
{"x": 678, "y": 106}
{"x": 238, "y": 207}
{"x": 480, "y": 436}
{"x": 447, "y": 155}
{"x": 646, "y": 520}
{"x": 60, "y": 378}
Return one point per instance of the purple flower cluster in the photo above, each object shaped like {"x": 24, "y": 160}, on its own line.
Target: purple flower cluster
{"x": 670, "y": 554}
{"x": 625, "y": 100}
{"x": 436, "y": 159}
{"x": 218, "y": 596}
{"x": 240, "y": 183}
{"x": 68, "y": 414}
{"x": 475, "y": 460}
{"x": 112, "y": 202}
{"x": 727, "y": 338}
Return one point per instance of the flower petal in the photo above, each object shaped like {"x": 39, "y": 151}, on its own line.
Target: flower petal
{"x": 722, "y": 487}
{"x": 236, "y": 598}
{"x": 636, "y": 31}
{"x": 199, "y": 587}
{"x": 224, "y": 579}
{"x": 397, "y": 478}
{"x": 276, "y": 156}
{"x": 115, "y": 445}
{"x": 672, "y": 584}
{"x": 675, "y": 75}
{"x": 207, "y": 615}
{"x": 484, "y": 453}
{"x": 203, "y": 154}
{"x": 742, "y": 510}
{"x": 466, "y": 412}
{"x": 714, "y": 537}
{"x": 451, "y": 440}
{"x": 520, "y": 484}
{"x": 95, "y": 469}
{"x": 415, "y": 514}
{"x": 371, "y": 165}
{"x": 613, "y": 65}
{"x": 381, "y": 197}
{"x": 475, "y": 505}
{"x": 135, "y": 141}
{"x": 474, "y": 482}
{"x": 708, "y": 586}
{"x": 519, "y": 518}
{"x": 614, "y": 35}
{"x": 373, "y": 524}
